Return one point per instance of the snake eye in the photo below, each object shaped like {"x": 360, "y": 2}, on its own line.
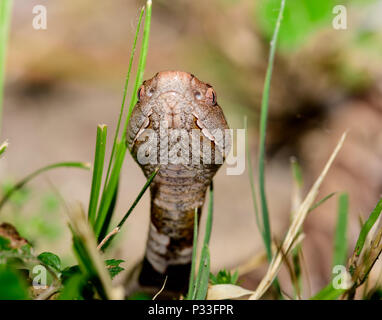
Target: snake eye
{"x": 197, "y": 95}
{"x": 211, "y": 96}
{"x": 150, "y": 92}
{"x": 141, "y": 92}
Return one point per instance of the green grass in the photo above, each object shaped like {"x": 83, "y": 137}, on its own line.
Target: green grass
{"x": 198, "y": 286}
{"x": 5, "y": 18}
{"x": 263, "y": 130}
{"x": 141, "y": 193}
{"x": 3, "y": 147}
{"x": 192, "y": 284}
{"x": 97, "y": 172}
{"x": 264, "y": 227}
{"x": 109, "y": 193}
{"x": 252, "y": 182}
{"x": 340, "y": 239}
{"x": 367, "y": 227}
{"x": 116, "y": 135}
{"x": 101, "y": 218}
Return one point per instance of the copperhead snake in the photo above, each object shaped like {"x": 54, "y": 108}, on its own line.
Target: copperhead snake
{"x": 174, "y": 112}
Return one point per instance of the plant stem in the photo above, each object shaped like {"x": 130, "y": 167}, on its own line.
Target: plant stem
{"x": 263, "y": 130}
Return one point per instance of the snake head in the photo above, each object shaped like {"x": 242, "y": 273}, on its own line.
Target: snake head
{"x": 178, "y": 100}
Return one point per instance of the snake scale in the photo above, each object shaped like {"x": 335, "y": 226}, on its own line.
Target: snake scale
{"x": 176, "y": 117}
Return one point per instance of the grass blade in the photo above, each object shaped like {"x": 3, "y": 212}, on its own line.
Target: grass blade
{"x": 320, "y": 202}
{"x": 252, "y": 181}
{"x": 204, "y": 272}
{"x": 124, "y": 96}
{"x": 120, "y": 147}
{"x": 298, "y": 183}
{"x": 109, "y": 215}
{"x": 109, "y": 193}
{"x": 295, "y": 227}
{"x": 97, "y": 172}
{"x": 367, "y": 227}
{"x": 360, "y": 271}
{"x": 141, "y": 193}
{"x": 142, "y": 61}
{"x": 263, "y": 130}
{"x": 89, "y": 258}
{"x": 191, "y": 285}
{"x": 328, "y": 293}
{"x": 21, "y": 183}
{"x": 207, "y": 234}
{"x": 106, "y": 242}
{"x": 340, "y": 239}
{"x": 201, "y": 285}
{"x": 3, "y": 147}
{"x": 5, "y": 18}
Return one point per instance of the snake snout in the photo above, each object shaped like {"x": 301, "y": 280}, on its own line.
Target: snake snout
{"x": 173, "y": 106}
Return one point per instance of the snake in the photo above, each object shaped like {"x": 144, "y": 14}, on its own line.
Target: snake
{"x": 176, "y": 117}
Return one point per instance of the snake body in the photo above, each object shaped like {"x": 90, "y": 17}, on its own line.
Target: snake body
{"x": 173, "y": 106}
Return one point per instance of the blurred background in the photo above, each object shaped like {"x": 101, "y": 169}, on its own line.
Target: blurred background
{"x": 63, "y": 81}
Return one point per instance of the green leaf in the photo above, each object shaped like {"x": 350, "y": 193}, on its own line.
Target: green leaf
{"x": 224, "y": 277}
{"x": 69, "y": 272}
{"x": 301, "y": 19}
{"x": 72, "y": 290}
{"x": 328, "y": 293}
{"x": 51, "y": 260}
{"x": 113, "y": 262}
{"x": 12, "y": 285}
{"x": 5, "y": 244}
{"x": 340, "y": 238}
{"x": 115, "y": 271}
{"x": 113, "y": 267}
